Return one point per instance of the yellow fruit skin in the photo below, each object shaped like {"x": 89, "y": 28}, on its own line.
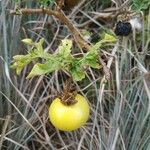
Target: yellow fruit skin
{"x": 68, "y": 118}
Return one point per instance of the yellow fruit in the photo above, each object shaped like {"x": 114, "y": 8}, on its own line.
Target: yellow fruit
{"x": 69, "y": 117}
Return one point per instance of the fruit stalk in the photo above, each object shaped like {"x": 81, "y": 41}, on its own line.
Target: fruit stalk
{"x": 68, "y": 97}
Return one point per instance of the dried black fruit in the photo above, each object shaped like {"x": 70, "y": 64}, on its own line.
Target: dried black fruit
{"x": 123, "y": 28}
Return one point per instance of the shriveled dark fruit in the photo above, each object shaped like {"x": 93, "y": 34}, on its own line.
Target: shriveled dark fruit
{"x": 123, "y": 28}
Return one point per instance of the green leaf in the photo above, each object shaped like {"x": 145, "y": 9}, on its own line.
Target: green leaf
{"x": 57, "y": 61}
{"x": 53, "y": 63}
{"x": 77, "y": 74}
{"x": 139, "y": 5}
{"x": 65, "y": 48}
{"x": 77, "y": 71}
{"x": 107, "y": 38}
{"x": 41, "y": 69}
{"x": 91, "y": 59}
{"x": 27, "y": 41}
{"x": 20, "y": 61}
{"x": 39, "y": 47}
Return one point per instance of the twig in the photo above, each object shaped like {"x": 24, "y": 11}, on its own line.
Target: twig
{"x": 97, "y": 16}
{"x": 62, "y": 17}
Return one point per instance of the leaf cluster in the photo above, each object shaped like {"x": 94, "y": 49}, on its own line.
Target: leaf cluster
{"x": 62, "y": 59}
{"x": 139, "y": 5}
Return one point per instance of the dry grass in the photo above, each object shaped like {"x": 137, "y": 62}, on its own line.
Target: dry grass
{"x": 120, "y": 108}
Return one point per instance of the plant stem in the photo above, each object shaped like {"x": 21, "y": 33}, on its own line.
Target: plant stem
{"x": 62, "y": 17}
{"x": 68, "y": 97}
{"x": 59, "y": 14}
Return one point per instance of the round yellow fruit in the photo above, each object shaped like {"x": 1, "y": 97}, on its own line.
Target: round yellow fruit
{"x": 69, "y": 117}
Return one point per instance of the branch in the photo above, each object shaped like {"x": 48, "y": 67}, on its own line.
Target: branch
{"x": 62, "y": 17}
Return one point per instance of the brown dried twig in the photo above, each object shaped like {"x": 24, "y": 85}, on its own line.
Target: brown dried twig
{"x": 62, "y": 17}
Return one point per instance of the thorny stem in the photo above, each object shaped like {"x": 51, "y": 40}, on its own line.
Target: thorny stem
{"x": 68, "y": 97}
